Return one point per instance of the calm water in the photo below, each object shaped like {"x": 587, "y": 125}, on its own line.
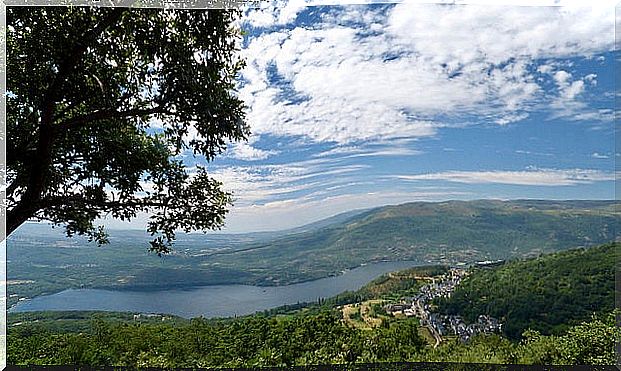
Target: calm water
{"x": 210, "y": 301}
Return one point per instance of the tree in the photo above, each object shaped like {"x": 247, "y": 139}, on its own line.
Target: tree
{"x": 102, "y": 106}
{"x": 592, "y": 342}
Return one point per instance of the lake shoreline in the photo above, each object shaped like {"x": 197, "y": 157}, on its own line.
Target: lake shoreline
{"x": 261, "y": 283}
{"x": 210, "y": 301}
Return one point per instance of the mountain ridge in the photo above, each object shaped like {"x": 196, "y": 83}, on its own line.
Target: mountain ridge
{"x": 447, "y": 232}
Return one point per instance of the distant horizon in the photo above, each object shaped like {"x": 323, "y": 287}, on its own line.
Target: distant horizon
{"x": 352, "y": 211}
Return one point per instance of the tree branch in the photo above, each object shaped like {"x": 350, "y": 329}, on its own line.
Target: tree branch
{"x": 28, "y": 204}
{"x": 11, "y": 188}
{"x": 73, "y": 58}
{"x": 52, "y": 202}
{"x": 83, "y": 120}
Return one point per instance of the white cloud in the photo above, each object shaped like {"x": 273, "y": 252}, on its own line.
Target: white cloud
{"x": 512, "y": 117}
{"x": 245, "y": 152}
{"x": 496, "y": 34}
{"x": 337, "y": 151}
{"x": 344, "y": 152}
{"x": 336, "y": 101}
{"x": 531, "y": 177}
{"x": 387, "y": 152}
{"x": 263, "y": 183}
{"x": 576, "y": 87}
{"x": 568, "y": 89}
{"x": 599, "y": 155}
{"x": 275, "y": 13}
{"x": 566, "y": 105}
{"x": 562, "y": 77}
{"x": 545, "y": 68}
{"x": 578, "y": 111}
{"x": 391, "y": 75}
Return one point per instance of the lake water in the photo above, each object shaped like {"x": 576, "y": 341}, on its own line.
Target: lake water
{"x": 210, "y": 301}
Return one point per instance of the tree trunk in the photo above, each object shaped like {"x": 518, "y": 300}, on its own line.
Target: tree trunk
{"x": 29, "y": 202}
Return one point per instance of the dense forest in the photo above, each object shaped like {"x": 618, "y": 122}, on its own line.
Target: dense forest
{"x": 546, "y": 294}
{"x": 253, "y": 341}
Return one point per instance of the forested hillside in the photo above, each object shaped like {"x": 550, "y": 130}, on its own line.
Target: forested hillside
{"x": 301, "y": 339}
{"x": 546, "y": 294}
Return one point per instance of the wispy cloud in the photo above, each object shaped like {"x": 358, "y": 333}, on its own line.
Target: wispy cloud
{"x": 534, "y": 153}
{"x": 260, "y": 184}
{"x": 533, "y": 177}
{"x": 566, "y": 105}
{"x": 246, "y": 152}
{"x": 345, "y": 152}
{"x": 599, "y": 155}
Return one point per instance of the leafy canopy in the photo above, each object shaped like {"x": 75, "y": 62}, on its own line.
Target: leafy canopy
{"x": 102, "y": 105}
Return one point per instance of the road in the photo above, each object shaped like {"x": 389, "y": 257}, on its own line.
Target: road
{"x": 421, "y": 314}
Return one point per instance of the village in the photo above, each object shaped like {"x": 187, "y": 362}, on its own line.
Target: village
{"x": 440, "y": 324}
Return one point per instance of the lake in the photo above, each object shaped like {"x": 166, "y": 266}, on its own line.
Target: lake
{"x": 210, "y": 301}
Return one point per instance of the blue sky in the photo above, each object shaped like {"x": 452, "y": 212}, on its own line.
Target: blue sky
{"x": 356, "y": 106}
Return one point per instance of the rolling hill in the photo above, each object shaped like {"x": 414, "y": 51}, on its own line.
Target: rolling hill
{"x": 445, "y": 232}
{"x": 426, "y": 232}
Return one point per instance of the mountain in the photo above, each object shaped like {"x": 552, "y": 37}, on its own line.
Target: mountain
{"x": 444, "y": 232}
{"x": 438, "y": 232}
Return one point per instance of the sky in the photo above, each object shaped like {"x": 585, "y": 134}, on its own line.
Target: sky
{"x": 363, "y": 105}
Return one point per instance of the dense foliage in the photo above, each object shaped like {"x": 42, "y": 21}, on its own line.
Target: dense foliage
{"x": 102, "y": 101}
{"x": 253, "y": 341}
{"x": 299, "y": 339}
{"x": 545, "y": 294}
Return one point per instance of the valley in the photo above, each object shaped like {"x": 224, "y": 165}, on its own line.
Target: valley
{"x": 451, "y": 232}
